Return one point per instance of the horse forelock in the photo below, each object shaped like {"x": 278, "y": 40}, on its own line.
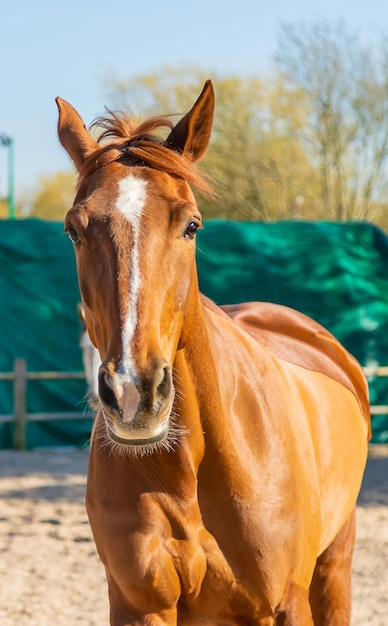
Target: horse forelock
{"x": 141, "y": 144}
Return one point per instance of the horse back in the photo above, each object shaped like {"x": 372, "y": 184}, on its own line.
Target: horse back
{"x": 298, "y": 339}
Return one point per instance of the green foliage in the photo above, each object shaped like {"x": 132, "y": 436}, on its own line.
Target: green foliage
{"x": 310, "y": 142}
{"x": 53, "y": 196}
{"x": 3, "y": 208}
{"x": 258, "y": 167}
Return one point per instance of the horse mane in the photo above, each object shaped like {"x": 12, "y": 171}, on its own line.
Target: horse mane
{"x": 141, "y": 143}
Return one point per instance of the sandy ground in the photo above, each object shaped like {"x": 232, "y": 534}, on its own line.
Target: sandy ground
{"x": 49, "y": 570}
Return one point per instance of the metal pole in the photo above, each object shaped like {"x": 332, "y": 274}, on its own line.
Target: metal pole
{"x": 8, "y": 143}
{"x": 11, "y": 186}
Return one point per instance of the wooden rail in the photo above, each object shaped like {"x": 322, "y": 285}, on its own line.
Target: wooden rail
{"x": 21, "y": 417}
{"x": 370, "y": 372}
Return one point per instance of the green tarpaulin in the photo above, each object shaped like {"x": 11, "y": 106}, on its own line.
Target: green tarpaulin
{"x": 335, "y": 272}
{"x": 38, "y": 322}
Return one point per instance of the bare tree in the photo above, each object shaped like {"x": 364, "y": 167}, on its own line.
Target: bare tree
{"x": 340, "y": 90}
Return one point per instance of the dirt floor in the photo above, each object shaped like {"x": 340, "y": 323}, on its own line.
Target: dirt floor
{"x": 49, "y": 570}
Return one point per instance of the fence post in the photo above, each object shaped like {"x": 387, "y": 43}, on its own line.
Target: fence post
{"x": 20, "y": 411}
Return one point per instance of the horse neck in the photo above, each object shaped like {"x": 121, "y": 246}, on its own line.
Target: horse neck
{"x": 175, "y": 471}
{"x": 195, "y": 374}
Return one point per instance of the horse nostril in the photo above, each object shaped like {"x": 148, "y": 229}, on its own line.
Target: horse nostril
{"x": 164, "y": 387}
{"x": 105, "y": 390}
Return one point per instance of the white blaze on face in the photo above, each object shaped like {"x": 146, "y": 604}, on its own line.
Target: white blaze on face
{"x": 131, "y": 202}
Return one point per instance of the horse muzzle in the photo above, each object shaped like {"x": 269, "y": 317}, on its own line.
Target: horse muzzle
{"x": 136, "y": 410}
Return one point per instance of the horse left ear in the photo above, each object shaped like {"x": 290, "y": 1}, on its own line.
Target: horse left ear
{"x": 73, "y": 135}
{"x": 191, "y": 134}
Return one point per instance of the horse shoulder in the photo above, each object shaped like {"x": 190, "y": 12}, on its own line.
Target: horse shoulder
{"x": 329, "y": 387}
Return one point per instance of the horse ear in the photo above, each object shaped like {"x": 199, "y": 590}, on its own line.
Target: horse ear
{"x": 81, "y": 312}
{"x": 73, "y": 135}
{"x": 192, "y": 133}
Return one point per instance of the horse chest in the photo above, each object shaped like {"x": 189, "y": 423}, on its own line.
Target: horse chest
{"x": 209, "y": 588}
{"x": 173, "y": 559}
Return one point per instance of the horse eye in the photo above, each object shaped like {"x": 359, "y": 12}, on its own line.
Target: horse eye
{"x": 74, "y": 236}
{"x": 191, "y": 229}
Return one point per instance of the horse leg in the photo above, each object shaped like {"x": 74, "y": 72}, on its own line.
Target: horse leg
{"x": 295, "y": 608}
{"x": 330, "y": 591}
{"x": 122, "y": 613}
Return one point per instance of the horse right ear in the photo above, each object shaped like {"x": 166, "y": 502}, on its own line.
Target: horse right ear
{"x": 73, "y": 135}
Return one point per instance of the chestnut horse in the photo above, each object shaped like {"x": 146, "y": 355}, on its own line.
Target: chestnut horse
{"x": 229, "y": 447}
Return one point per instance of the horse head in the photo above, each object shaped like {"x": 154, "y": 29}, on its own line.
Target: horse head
{"x": 133, "y": 227}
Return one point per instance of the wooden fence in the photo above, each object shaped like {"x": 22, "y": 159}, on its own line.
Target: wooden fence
{"x": 20, "y": 376}
{"x": 21, "y": 417}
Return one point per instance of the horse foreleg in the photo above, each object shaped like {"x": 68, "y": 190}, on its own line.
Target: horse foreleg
{"x": 123, "y": 613}
{"x": 295, "y": 608}
{"x": 330, "y": 591}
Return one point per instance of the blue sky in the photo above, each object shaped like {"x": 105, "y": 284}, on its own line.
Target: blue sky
{"x": 66, "y": 49}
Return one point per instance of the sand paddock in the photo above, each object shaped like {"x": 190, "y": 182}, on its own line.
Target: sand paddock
{"x": 49, "y": 570}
